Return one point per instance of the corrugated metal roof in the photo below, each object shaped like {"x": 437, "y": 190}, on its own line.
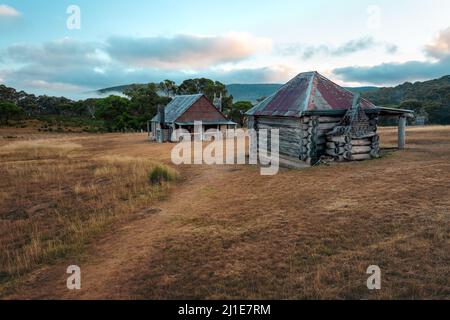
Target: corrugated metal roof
{"x": 178, "y": 106}
{"x": 308, "y": 91}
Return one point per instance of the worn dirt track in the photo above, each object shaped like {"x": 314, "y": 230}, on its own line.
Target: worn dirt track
{"x": 109, "y": 263}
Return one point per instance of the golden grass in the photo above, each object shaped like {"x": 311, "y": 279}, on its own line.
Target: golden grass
{"x": 161, "y": 174}
{"x": 230, "y": 233}
{"x": 38, "y": 149}
{"x": 53, "y": 205}
{"x": 311, "y": 234}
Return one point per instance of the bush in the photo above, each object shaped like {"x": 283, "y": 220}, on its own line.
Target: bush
{"x": 162, "y": 173}
{"x": 8, "y": 111}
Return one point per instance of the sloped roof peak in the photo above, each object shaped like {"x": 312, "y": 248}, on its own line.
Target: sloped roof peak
{"x": 306, "y": 92}
{"x": 178, "y": 106}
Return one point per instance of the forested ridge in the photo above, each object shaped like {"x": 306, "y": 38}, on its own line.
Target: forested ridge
{"x": 430, "y": 99}
{"x": 127, "y": 112}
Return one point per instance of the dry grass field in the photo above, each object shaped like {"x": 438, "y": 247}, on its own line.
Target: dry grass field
{"x": 220, "y": 231}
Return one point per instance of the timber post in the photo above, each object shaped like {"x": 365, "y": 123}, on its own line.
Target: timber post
{"x": 402, "y": 132}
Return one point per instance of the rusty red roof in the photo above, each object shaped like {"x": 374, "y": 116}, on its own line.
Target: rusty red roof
{"x": 187, "y": 109}
{"x": 308, "y": 91}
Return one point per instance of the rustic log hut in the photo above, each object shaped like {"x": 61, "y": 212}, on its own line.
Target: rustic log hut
{"x": 317, "y": 117}
{"x": 182, "y": 112}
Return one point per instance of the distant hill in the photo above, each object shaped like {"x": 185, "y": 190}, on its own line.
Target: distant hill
{"x": 251, "y": 92}
{"x": 240, "y": 92}
{"x": 362, "y": 89}
{"x": 430, "y": 99}
{"x": 437, "y": 91}
{"x": 120, "y": 89}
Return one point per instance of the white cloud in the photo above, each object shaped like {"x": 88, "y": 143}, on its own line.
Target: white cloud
{"x": 350, "y": 47}
{"x": 186, "y": 51}
{"x": 440, "y": 48}
{"x": 68, "y": 64}
{"x": 7, "y": 11}
{"x": 394, "y": 72}
{"x": 99, "y": 70}
{"x": 53, "y": 86}
{"x": 65, "y": 53}
{"x": 268, "y": 74}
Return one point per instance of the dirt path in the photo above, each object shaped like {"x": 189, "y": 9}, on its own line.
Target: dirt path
{"x": 108, "y": 265}
{"x": 116, "y": 256}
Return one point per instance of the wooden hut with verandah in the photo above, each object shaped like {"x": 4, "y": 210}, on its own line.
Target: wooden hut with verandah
{"x": 182, "y": 113}
{"x": 316, "y": 117}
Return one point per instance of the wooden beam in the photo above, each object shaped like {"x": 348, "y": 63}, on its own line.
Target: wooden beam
{"x": 402, "y": 132}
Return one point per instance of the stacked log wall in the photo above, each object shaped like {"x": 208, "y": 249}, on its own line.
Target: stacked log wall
{"x": 314, "y": 145}
{"x": 290, "y": 133}
{"x": 345, "y": 148}
{"x": 307, "y": 138}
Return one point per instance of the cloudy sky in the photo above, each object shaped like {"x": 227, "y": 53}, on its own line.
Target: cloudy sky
{"x": 47, "y": 47}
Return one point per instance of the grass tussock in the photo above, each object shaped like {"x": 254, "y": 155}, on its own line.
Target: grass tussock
{"x": 161, "y": 174}
{"x": 52, "y": 206}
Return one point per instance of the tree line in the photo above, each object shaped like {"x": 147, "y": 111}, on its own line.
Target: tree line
{"x": 428, "y": 99}
{"x": 131, "y": 111}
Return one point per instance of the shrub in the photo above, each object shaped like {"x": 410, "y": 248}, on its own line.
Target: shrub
{"x": 162, "y": 173}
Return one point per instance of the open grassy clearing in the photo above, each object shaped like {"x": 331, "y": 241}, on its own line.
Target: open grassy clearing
{"x": 228, "y": 232}
{"x": 311, "y": 234}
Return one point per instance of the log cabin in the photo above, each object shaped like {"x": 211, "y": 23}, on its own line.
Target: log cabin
{"x": 316, "y": 118}
{"x": 182, "y": 112}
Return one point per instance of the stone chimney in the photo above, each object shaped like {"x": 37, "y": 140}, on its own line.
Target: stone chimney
{"x": 218, "y": 102}
{"x": 162, "y": 116}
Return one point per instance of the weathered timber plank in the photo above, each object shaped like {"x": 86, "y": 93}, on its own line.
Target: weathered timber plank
{"x": 361, "y": 157}
{"x": 327, "y": 126}
{"x": 341, "y": 139}
{"x": 361, "y": 142}
{"x": 361, "y": 149}
{"x": 323, "y": 119}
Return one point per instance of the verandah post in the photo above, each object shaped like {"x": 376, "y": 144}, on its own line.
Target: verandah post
{"x": 402, "y": 132}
